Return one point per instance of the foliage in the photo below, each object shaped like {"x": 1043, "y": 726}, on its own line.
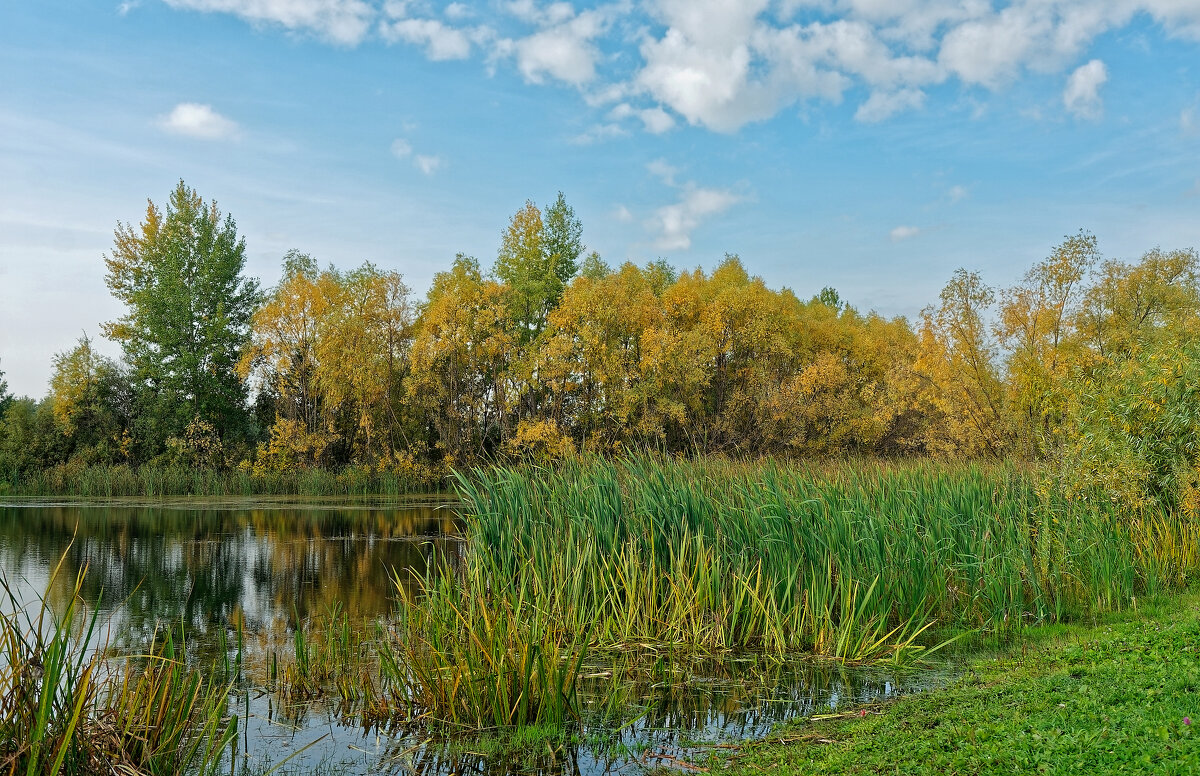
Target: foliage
{"x": 188, "y": 308}
{"x": 331, "y": 351}
{"x": 1136, "y": 433}
{"x": 6, "y": 398}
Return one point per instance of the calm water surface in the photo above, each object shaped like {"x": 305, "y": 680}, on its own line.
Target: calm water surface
{"x": 265, "y": 565}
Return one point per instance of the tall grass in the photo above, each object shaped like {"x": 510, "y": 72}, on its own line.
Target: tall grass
{"x": 67, "y": 709}
{"x": 851, "y": 561}
{"x": 102, "y": 481}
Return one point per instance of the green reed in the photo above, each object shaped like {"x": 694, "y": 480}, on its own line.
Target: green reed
{"x": 851, "y": 561}
{"x": 67, "y": 709}
{"x": 102, "y": 481}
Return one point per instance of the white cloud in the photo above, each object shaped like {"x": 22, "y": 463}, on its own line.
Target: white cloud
{"x": 124, "y": 8}
{"x": 722, "y": 64}
{"x": 904, "y": 233}
{"x": 192, "y": 119}
{"x": 1082, "y": 94}
{"x": 957, "y": 194}
{"x": 599, "y": 133}
{"x": 341, "y": 21}
{"x": 656, "y": 120}
{"x": 441, "y": 41}
{"x": 884, "y": 105}
{"x": 427, "y": 164}
{"x": 675, "y": 223}
{"x": 401, "y": 148}
{"x": 622, "y": 214}
{"x": 660, "y": 169}
{"x": 458, "y": 12}
{"x": 564, "y": 50}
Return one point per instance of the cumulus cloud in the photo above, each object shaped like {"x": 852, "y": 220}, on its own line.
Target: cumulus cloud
{"x": 192, "y": 119}
{"x": 1082, "y": 94}
{"x": 904, "y": 233}
{"x": 441, "y": 41}
{"x": 341, "y": 21}
{"x": 722, "y": 64}
{"x": 563, "y": 49}
{"x": 622, "y": 214}
{"x": 654, "y": 120}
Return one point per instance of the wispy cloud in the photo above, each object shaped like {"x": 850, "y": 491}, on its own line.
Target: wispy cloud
{"x": 673, "y": 224}
{"x": 192, "y": 119}
{"x": 345, "y": 22}
{"x": 426, "y": 163}
{"x": 904, "y": 233}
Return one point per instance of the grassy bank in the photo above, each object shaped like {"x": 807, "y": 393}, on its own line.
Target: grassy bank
{"x": 151, "y": 481}
{"x": 1115, "y": 697}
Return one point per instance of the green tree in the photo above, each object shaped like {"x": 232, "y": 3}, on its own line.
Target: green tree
{"x": 88, "y": 395}
{"x": 564, "y": 241}
{"x": 179, "y": 274}
{"x": 538, "y": 257}
{"x": 6, "y": 398}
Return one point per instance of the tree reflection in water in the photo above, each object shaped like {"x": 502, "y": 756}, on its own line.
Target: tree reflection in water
{"x": 215, "y": 566}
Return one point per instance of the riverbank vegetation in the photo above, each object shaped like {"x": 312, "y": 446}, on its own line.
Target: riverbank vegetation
{"x": 849, "y": 563}
{"x": 1086, "y": 366}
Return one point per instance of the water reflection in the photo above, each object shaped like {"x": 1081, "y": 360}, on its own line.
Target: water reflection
{"x": 218, "y": 567}
{"x": 215, "y": 564}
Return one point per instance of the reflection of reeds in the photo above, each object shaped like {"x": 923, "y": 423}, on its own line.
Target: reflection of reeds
{"x": 65, "y": 709}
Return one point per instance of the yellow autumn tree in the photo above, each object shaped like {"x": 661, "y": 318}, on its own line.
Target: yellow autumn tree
{"x": 957, "y": 366}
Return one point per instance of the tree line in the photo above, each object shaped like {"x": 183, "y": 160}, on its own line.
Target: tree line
{"x": 1085, "y": 363}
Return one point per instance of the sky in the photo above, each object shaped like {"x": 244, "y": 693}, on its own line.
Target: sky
{"x": 869, "y": 145}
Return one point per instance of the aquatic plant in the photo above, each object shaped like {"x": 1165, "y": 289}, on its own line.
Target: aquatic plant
{"x": 852, "y": 561}
{"x": 66, "y": 708}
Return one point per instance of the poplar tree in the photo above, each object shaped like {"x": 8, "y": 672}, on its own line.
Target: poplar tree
{"x": 188, "y": 310}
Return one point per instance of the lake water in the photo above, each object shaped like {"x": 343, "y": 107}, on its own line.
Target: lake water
{"x": 214, "y": 567}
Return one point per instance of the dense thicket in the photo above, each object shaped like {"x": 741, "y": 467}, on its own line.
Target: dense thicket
{"x": 1085, "y": 364}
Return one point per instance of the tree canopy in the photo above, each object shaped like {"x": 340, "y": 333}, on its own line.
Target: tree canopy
{"x": 188, "y": 310}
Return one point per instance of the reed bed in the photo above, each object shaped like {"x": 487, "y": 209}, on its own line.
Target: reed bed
{"x": 854, "y": 562}
{"x": 157, "y": 481}
{"x": 67, "y": 709}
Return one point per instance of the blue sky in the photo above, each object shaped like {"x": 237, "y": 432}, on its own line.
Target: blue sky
{"x": 869, "y": 145}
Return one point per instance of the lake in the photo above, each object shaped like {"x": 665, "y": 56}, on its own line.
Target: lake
{"x": 216, "y": 568}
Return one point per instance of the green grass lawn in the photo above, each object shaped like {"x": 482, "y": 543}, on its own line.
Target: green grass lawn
{"x": 1112, "y": 697}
